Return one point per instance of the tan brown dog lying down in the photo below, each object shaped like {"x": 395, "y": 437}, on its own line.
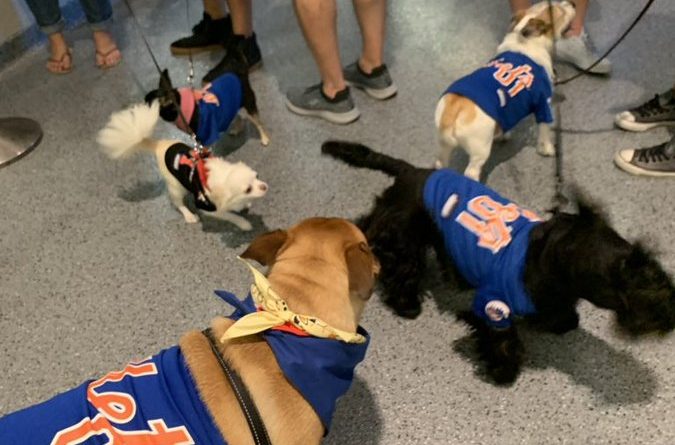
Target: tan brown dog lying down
{"x": 321, "y": 274}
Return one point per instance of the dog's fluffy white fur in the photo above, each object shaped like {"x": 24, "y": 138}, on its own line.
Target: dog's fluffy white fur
{"x": 230, "y": 186}
{"x": 460, "y": 122}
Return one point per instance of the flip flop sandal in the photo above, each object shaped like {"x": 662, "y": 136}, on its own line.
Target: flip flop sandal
{"x": 101, "y": 59}
{"x": 60, "y": 63}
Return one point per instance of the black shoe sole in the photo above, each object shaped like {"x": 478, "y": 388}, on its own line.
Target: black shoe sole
{"x": 177, "y": 51}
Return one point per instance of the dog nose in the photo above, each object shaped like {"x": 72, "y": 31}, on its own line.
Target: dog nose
{"x": 263, "y": 187}
{"x": 574, "y": 5}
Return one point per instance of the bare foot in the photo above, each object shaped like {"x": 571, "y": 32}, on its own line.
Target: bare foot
{"x": 107, "y": 53}
{"x": 60, "y": 61}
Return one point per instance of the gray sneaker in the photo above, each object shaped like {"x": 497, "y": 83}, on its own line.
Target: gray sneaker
{"x": 377, "y": 84}
{"x": 651, "y": 161}
{"x": 313, "y": 102}
{"x": 579, "y": 51}
{"x": 657, "y": 111}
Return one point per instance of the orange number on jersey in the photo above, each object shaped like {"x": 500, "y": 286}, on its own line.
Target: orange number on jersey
{"x": 488, "y": 220}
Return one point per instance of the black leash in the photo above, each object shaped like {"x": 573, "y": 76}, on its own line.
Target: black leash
{"x": 255, "y": 423}
{"x": 165, "y": 80}
{"x": 191, "y": 73}
{"x": 611, "y": 48}
{"x": 559, "y": 199}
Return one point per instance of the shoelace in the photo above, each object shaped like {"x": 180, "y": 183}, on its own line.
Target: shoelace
{"x": 654, "y": 154}
{"x": 650, "y": 107}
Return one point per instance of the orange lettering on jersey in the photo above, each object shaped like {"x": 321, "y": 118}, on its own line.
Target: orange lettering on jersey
{"x": 530, "y": 215}
{"x": 116, "y": 406}
{"x": 158, "y": 434}
{"x": 525, "y": 80}
{"x": 516, "y": 79}
{"x": 488, "y": 220}
{"x": 120, "y": 408}
{"x": 503, "y": 73}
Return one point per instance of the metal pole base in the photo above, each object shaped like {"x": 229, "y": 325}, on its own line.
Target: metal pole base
{"x": 18, "y": 137}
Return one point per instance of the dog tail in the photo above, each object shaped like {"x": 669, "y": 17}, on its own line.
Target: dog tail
{"x": 129, "y": 130}
{"x": 358, "y": 155}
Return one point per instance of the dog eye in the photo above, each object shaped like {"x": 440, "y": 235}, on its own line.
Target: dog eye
{"x": 249, "y": 189}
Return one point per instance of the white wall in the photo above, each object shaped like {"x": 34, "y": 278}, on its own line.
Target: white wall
{"x": 14, "y": 18}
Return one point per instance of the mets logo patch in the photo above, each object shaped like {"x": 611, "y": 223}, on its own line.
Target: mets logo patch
{"x": 497, "y": 310}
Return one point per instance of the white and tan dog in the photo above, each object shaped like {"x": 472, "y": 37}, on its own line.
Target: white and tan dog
{"x": 218, "y": 186}
{"x": 517, "y": 82}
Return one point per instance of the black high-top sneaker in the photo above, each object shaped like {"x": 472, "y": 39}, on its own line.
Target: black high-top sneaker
{"x": 207, "y": 35}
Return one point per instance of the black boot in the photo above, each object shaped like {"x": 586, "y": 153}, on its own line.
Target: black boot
{"x": 248, "y": 47}
{"x": 207, "y": 35}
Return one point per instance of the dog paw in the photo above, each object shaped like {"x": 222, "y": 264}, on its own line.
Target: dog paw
{"x": 504, "y": 374}
{"x": 264, "y": 140}
{"x": 409, "y": 309}
{"x": 472, "y": 173}
{"x": 191, "y": 218}
{"x": 245, "y": 226}
{"x": 546, "y": 148}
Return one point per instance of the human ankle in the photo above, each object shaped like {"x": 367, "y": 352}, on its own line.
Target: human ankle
{"x": 57, "y": 43}
{"x": 330, "y": 91}
{"x": 574, "y": 32}
{"x": 367, "y": 66}
{"x": 242, "y": 35}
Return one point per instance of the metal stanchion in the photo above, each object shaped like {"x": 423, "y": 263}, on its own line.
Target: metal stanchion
{"x": 18, "y": 137}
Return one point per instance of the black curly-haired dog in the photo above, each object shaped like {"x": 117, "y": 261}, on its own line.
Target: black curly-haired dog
{"x": 210, "y": 111}
{"x": 550, "y": 264}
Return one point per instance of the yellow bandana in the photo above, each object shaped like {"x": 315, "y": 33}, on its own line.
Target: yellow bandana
{"x": 275, "y": 312}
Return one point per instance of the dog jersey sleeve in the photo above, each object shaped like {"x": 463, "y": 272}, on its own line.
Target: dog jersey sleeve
{"x": 543, "y": 112}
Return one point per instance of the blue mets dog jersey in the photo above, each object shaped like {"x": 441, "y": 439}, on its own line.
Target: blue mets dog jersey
{"x": 152, "y": 402}
{"x": 508, "y": 89}
{"x": 155, "y": 401}
{"x": 218, "y": 106}
{"x": 487, "y": 237}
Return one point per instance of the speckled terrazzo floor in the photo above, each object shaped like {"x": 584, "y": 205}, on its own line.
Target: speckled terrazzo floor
{"x": 97, "y": 268}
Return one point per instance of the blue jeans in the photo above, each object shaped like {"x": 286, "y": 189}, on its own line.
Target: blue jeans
{"x": 48, "y": 14}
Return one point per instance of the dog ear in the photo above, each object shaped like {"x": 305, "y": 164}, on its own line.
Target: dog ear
{"x": 516, "y": 18}
{"x": 265, "y": 247}
{"x": 151, "y": 96}
{"x": 535, "y": 28}
{"x": 363, "y": 267}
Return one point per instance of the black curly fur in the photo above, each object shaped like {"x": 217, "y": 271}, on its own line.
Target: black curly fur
{"x": 570, "y": 257}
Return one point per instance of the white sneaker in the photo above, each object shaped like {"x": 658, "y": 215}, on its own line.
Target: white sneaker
{"x": 579, "y": 51}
